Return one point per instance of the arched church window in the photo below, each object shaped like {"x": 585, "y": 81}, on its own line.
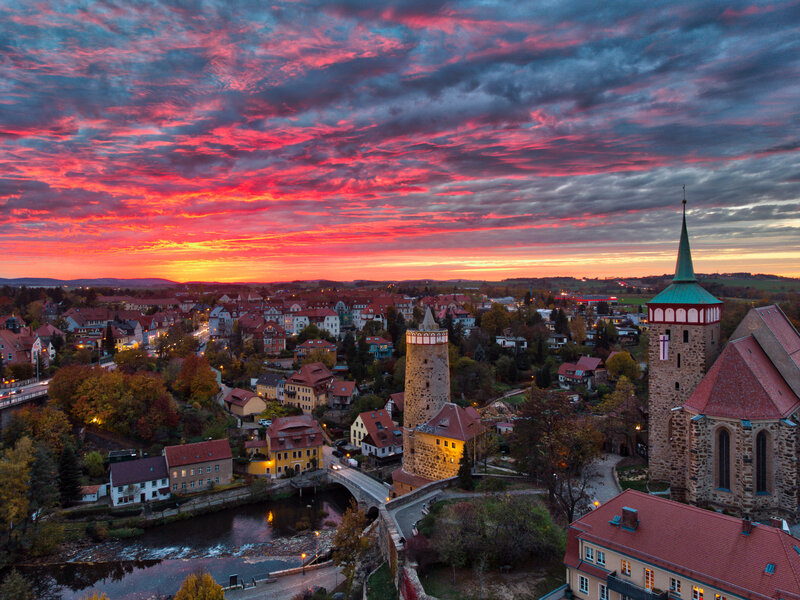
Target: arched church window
{"x": 724, "y": 459}
{"x": 761, "y": 462}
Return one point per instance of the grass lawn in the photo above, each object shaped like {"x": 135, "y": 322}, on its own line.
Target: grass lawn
{"x": 635, "y": 477}
{"x": 527, "y": 582}
{"x": 516, "y": 400}
{"x": 380, "y": 585}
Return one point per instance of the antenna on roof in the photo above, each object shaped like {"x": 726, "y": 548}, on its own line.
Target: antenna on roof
{"x": 684, "y": 199}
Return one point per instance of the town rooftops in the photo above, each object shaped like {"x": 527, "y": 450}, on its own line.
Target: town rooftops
{"x": 270, "y": 379}
{"x": 743, "y": 384}
{"x": 399, "y": 400}
{"x": 377, "y": 341}
{"x": 588, "y": 363}
{"x": 712, "y": 548}
{"x": 313, "y": 344}
{"x": 200, "y": 452}
{"x": 239, "y": 397}
{"x": 342, "y": 388}
{"x": 454, "y": 422}
{"x": 137, "y": 471}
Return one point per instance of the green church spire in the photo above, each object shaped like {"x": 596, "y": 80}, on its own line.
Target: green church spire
{"x": 684, "y": 271}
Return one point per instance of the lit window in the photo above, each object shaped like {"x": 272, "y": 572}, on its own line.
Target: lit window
{"x": 697, "y": 593}
{"x": 601, "y": 558}
{"x": 625, "y": 567}
{"x": 183, "y": 472}
{"x": 584, "y": 584}
{"x": 649, "y": 580}
{"x": 674, "y": 585}
{"x": 589, "y": 554}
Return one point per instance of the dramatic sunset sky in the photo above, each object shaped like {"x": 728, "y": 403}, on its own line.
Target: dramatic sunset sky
{"x": 263, "y": 141}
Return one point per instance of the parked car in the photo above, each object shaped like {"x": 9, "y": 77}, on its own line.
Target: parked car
{"x": 338, "y": 453}
{"x": 340, "y": 443}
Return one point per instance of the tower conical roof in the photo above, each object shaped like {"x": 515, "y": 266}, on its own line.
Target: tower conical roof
{"x": 684, "y": 270}
{"x": 428, "y": 323}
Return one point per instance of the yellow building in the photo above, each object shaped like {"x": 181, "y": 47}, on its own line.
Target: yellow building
{"x": 292, "y": 444}
{"x": 307, "y": 389}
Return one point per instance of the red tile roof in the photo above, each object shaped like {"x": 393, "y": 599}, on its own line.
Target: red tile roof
{"x": 696, "y": 543}
{"x": 342, "y": 388}
{"x": 312, "y": 374}
{"x": 200, "y": 452}
{"x": 313, "y": 344}
{"x": 399, "y": 400}
{"x": 381, "y": 429}
{"x": 454, "y": 422}
{"x": 743, "y": 384}
{"x": 239, "y": 397}
{"x": 286, "y": 433}
{"x": 588, "y": 363}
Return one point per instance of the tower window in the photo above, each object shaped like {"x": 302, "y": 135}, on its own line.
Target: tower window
{"x": 668, "y": 333}
{"x": 679, "y": 361}
{"x": 685, "y": 336}
{"x": 677, "y": 385}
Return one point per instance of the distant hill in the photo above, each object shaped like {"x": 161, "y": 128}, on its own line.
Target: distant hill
{"x": 99, "y": 282}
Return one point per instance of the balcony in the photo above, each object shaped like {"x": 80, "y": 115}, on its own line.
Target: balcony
{"x": 631, "y": 590}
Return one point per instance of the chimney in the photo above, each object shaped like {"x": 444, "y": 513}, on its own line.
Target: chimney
{"x": 747, "y": 525}
{"x": 630, "y": 518}
{"x": 776, "y": 522}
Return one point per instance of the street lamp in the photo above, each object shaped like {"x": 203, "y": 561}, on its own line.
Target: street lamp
{"x": 303, "y": 557}
{"x": 316, "y": 545}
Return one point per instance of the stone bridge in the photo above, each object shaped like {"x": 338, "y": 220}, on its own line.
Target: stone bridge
{"x": 368, "y": 492}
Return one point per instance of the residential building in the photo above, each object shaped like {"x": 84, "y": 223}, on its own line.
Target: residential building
{"x": 395, "y": 403}
{"x": 588, "y": 371}
{"x": 307, "y": 388}
{"x": 378, "y": 347}
{"x": 321, "y": 347}
{"x": 270, "y": 386}
{"x": 324, "y": 318}
{"x": 376, "y": 434}
{"x": 198, "y": 466}
{"x": 244, "y": 403}
{"x": 643, "y": 546}
{"x": 292, "y": 444}
{"x": 141, "y": 480}
{"x": 556, "y": 341}
{"x": 342, "y": 393}
{"x": 274, "y": 338}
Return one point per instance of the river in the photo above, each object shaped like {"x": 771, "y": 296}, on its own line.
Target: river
{"x": 248, "y": 541}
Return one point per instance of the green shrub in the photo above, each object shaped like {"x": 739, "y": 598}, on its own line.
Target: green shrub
{"x": 88, "y": 511}
{"x": 125, "y": 532}
{"x": 126, "y": 512}
{"x": 492, "y": 484}
{"x": 97, "y": 532}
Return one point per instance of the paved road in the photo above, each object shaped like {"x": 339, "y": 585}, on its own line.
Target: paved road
{"x": 290, "y": 585}
{"x": 407, "y": 515}
{"x": 379, "y": 491}
{"x": 602, "y": 485}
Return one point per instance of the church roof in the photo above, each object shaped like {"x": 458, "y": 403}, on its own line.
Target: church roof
{"x": 743, "y": 383}
{"x": 777, "y": 337}
{"x": 684, "y": 270}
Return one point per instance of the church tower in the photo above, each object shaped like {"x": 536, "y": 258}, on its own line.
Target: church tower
{"x": 684, "y": 341}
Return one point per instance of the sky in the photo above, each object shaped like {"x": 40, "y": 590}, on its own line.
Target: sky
{"x": 220, "y": 140}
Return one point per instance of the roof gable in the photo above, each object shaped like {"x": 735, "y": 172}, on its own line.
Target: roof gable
{"x": 200, "y": 452}
{"x": 743, "y": 384}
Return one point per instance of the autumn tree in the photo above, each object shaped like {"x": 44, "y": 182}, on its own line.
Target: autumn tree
{"x": 550, "y": 441}
{"x": 321, "y": 356}
{"x": 623, "y": 412}
{"x": 43, "y": 492}
{"x": 197, "y": 381}
{"x": 132, "y": 361}
{"x": 96, "y": 596}
{"x": 350, "y": 541}
{"x": 15, "y": 467}
{"x": 621, "y": 364}
{"x": 495, "y": 320}
{"x": 45, "y": 425}
{"x": 577, "y": 330}
{"x": 65, "y": 383}
{"x": 200, "y": 586}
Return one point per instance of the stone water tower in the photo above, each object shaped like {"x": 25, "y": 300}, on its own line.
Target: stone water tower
{"x": 427, "y": 381}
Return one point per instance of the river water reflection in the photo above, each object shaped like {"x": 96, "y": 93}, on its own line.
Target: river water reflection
{"x": 249, "y": 541}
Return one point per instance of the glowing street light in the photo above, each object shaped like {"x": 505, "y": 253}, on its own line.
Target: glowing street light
{"x": 303, "y": 557}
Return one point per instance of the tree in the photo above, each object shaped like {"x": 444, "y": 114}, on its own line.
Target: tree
{"x": 109, "y": 346}
{"x": 65, "y": 383}
{"x": 131, "y": 361}
{"x": 350, "y": 542}
{"x": 94, "y": 463}
{"x": 465, "y": 479}
{"x": 200, "y": 586}
{"x": 69, "y": 477}
{"x": 16, "y": 587}
{"x": 43, "y": 492}
{"x": 551, "y": 442}
{"x": 14, "y": 486}
{"x": 623, "y": 412}
{"x": 96, "y": 596}
{"x": 602, "y": 308}
{"x": 577, "y": 329}
{"x": 495, "y": 320}
{"x": 623, "y": 365}
{"x": 321, "y": 356}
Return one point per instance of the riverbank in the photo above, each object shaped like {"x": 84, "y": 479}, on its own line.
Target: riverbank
{"x": 248, "y": 541}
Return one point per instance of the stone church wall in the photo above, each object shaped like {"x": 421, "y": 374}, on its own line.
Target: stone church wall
{"x": 696, "y": 356}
